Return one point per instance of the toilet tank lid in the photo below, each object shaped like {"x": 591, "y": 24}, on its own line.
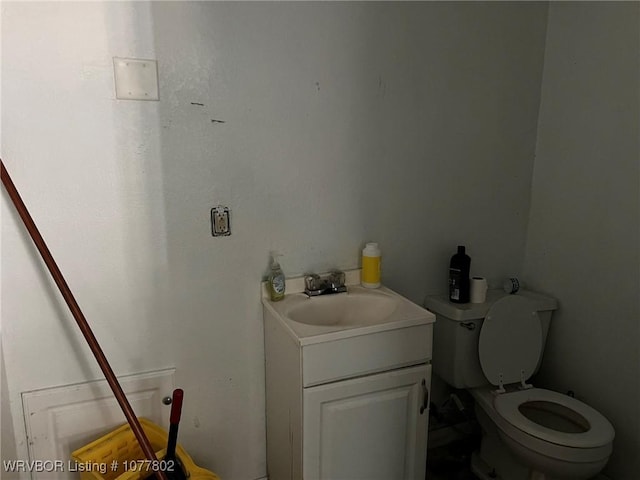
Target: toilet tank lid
{"x": 463, "y": 312}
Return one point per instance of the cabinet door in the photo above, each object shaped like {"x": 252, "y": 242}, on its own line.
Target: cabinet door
{"x": 368, "y": 428}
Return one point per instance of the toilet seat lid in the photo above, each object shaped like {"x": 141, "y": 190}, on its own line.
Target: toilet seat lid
{"x": 510, "y": 341}
{"x": 599, "y": 431}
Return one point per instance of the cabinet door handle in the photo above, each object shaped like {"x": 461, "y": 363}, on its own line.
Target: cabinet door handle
{"x": 425, "y": 399}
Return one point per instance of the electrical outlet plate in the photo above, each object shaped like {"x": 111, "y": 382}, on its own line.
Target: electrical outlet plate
{"x": 220, "y": 224}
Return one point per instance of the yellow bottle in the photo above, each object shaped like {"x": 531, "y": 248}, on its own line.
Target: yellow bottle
{"x": 371, "y": 266}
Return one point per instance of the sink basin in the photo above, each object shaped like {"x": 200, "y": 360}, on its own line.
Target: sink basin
{"x": 343, "y": 309}
{"x": 336, "y": 317}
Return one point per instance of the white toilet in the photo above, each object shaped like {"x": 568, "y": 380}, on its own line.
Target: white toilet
{"x": 492, "y": 349}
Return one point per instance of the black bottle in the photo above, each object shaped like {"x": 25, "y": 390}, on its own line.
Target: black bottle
{"x": 459, "y": 285}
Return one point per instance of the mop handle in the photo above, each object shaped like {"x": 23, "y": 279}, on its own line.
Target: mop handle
{"x": 79, "y": 317}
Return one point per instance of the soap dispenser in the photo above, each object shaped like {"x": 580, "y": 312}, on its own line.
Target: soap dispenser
{"x": 276, "y": 282}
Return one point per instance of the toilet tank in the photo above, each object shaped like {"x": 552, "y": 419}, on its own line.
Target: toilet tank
{"x": 457, "y": 331}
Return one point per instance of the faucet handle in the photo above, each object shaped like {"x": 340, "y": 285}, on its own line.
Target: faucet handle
{"x": 337, "y": 278}
{"x": 312, "y": 281}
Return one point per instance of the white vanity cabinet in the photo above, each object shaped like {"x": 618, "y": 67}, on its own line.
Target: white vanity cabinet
{"x": 348, "y": 405}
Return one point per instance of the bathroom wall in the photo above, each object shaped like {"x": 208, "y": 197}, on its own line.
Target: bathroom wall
{"x": 582, "y": 242}
{"x": 7, "y": 439}
{"x": 321, "y": 125}
{"x": 411, "y": 125}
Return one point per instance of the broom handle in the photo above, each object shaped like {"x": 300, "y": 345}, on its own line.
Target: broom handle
{"x": 80, "y": 319}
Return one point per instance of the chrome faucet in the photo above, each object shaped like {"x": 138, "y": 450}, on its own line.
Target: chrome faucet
{"x": 333, "y": 282}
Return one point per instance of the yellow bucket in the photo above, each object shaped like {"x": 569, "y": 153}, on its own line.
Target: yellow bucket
{"x": 118, "y": 456}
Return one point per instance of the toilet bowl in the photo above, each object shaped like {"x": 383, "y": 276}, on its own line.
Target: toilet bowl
{"x": 556, "y": 436}
{"x": 527, "y": 433}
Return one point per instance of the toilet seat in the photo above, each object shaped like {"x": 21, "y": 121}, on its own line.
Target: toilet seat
{"x": 600, "y": 431}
